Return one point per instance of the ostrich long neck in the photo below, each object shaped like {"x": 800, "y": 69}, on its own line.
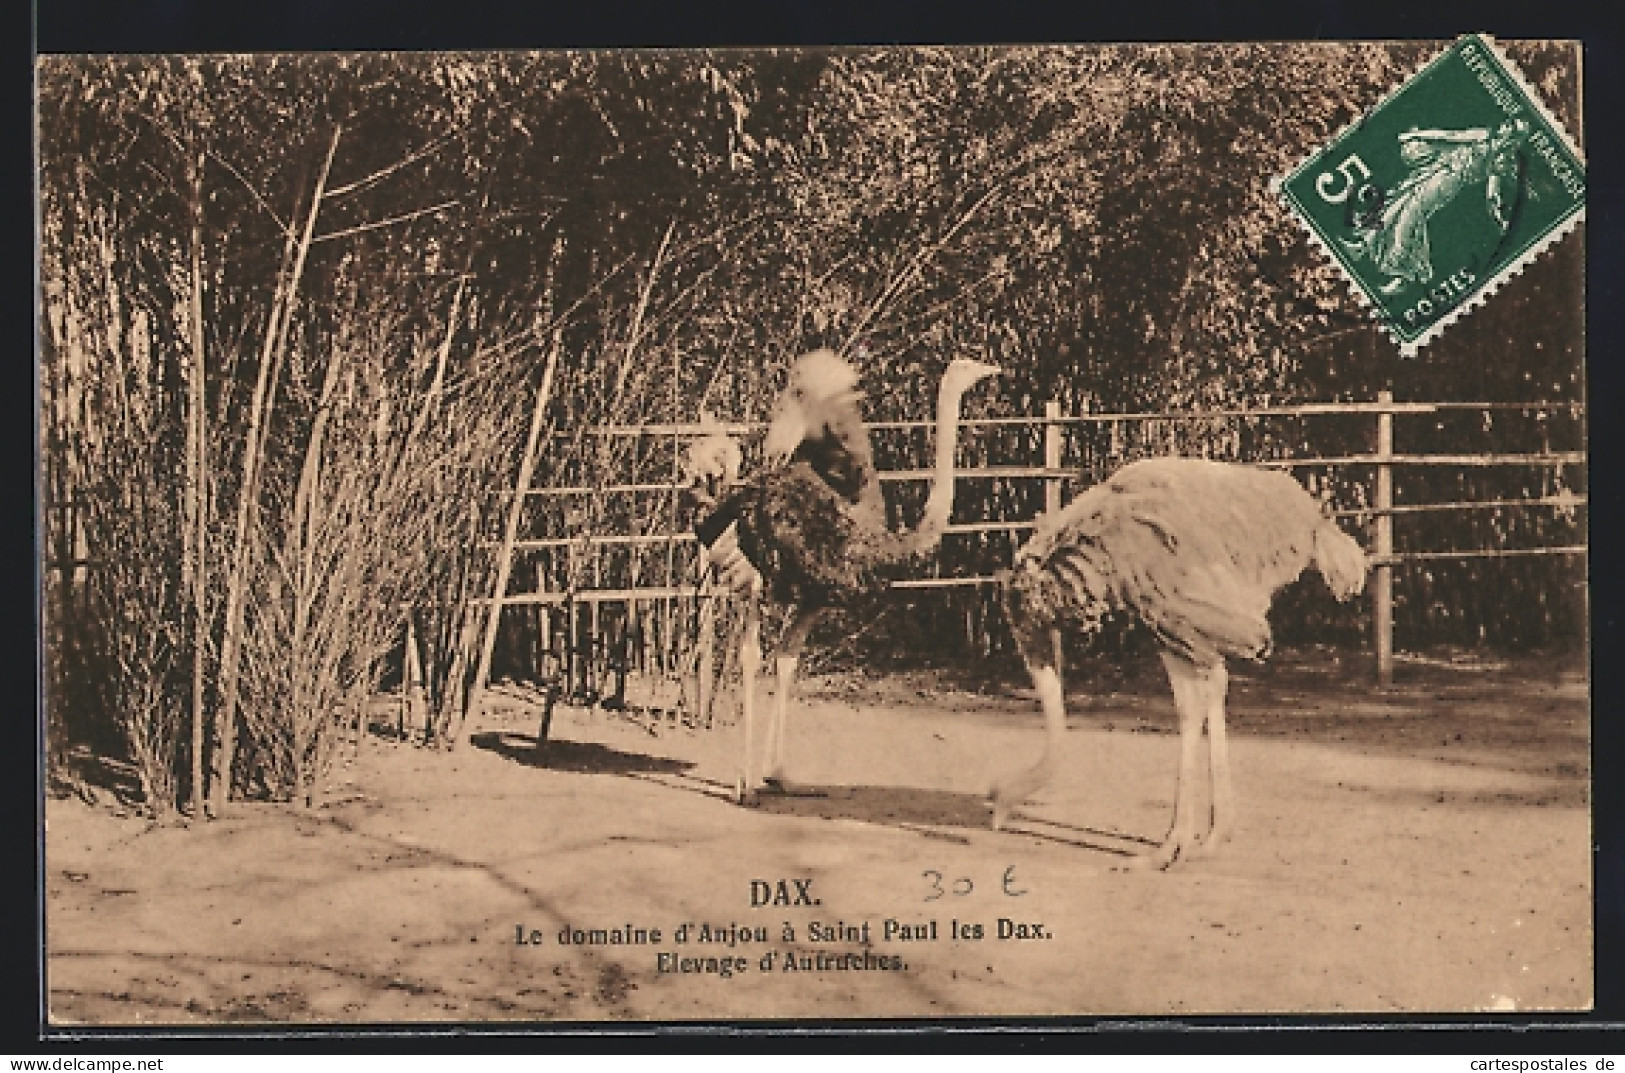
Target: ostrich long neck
{"x": 939, "y": 506}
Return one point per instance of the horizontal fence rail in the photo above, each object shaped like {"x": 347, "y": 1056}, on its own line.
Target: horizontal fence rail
{"x": 1305, "y": 409}
{"x": 1377, "y": 514}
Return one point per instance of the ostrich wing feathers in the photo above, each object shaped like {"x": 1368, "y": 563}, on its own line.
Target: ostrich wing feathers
{"x": 1340, "y": 561}
{"x": 810, "y": 543}
{"x": 820, "y": 402}
{"x": 714, "y": 457}
{"x": 1195, "y": 549}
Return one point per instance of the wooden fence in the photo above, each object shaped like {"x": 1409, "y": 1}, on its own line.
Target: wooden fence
{"x": 1376, "y": 511}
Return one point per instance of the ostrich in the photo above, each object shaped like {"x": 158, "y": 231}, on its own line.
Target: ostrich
{"x": 1195, "y": 550}
{"x": 809, "y": 530}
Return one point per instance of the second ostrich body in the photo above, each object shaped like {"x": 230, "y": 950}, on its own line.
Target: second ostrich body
{"x": 1196, "y": 550}
{"x": 810, "y": 528}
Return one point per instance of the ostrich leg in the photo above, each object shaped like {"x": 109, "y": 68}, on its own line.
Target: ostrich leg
{"x": 750, "y": 662}
{"x": 1045, "y": 669}
{"x": 1216, "y": 683}
{"x": 1192, "y": 686}
{"x": 788, "y": 658}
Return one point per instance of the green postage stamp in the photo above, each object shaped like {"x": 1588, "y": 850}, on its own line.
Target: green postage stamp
{"x": 1449, "y": 186}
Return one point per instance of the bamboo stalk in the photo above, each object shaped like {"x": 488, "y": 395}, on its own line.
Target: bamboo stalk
{"x": 895, "y": 285}
{"x": 196, "y": 485}
{"x": 258, "y": 429}
{"x": 443, "y": 694}
{"x": 527, "y": 469}
{"x": 437, "y": 382}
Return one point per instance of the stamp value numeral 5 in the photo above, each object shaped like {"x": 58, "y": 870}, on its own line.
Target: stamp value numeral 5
{"x": 1324, "y": 181}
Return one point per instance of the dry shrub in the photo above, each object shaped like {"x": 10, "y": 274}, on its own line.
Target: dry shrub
{"x": 376, "y": 511}
{"x": 117, "y": 440}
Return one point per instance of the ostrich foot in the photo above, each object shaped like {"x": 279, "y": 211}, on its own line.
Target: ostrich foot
{"x": 1183, "y": 846}
{"x": 1158, "y": 859}
{"x": 776, "y": 784}
{"x": 1205, "y": 845}
{"x": 780, "y": 786}
{"x": 1006, "y": 796}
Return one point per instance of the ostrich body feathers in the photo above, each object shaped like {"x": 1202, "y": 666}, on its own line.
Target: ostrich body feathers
{"x": 813, "y": 545}
{"x": 815, "y": 526}
{"x": 1194, "y": 549}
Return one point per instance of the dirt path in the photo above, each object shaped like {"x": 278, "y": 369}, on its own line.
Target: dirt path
{"x": 1424, "y": 849}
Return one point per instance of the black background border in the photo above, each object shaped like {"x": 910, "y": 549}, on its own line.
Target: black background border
{"x": 301, "y": 25}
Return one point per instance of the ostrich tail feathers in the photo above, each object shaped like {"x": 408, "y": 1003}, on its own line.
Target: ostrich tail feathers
{"x": 715, "y": 456}
{"x": 1340, "y": 561}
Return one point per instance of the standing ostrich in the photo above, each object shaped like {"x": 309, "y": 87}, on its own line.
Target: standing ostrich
{"x": 1196, "y": 550}
{"x": 810, "y": 528}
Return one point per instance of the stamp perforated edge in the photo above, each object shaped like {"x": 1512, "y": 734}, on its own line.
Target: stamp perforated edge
{"x": 1512, "y": 268}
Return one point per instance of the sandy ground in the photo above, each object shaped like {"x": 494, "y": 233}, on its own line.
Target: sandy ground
{"x": 1419, "y": 849}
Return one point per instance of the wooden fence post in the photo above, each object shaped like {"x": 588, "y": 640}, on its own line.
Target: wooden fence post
{"x": 575, "y": 684}
{"x": 1052, "y": 456}
{"x": 1382, "y": 594}
{"x": 414, "y": 699}
{"x": 546, "y": 666}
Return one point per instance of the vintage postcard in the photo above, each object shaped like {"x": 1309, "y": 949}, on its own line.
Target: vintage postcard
{"x": 694, "y": 536}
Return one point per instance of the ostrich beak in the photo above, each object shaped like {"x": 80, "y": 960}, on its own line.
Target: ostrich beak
{"x": 963, "y": 372}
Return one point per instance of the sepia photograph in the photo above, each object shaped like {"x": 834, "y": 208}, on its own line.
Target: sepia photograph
{"x": 832, "y": 534}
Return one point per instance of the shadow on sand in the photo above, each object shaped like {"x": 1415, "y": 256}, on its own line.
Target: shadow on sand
{"x": 891, "y": 805}
{"x": 578, "y": 756}
{"x": 90, "y": 776}
{"x": 940, "y": 814}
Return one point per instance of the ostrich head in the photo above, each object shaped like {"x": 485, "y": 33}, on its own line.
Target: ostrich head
{"x": 820, "y": 399}
{"x": 964, "y": 373}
